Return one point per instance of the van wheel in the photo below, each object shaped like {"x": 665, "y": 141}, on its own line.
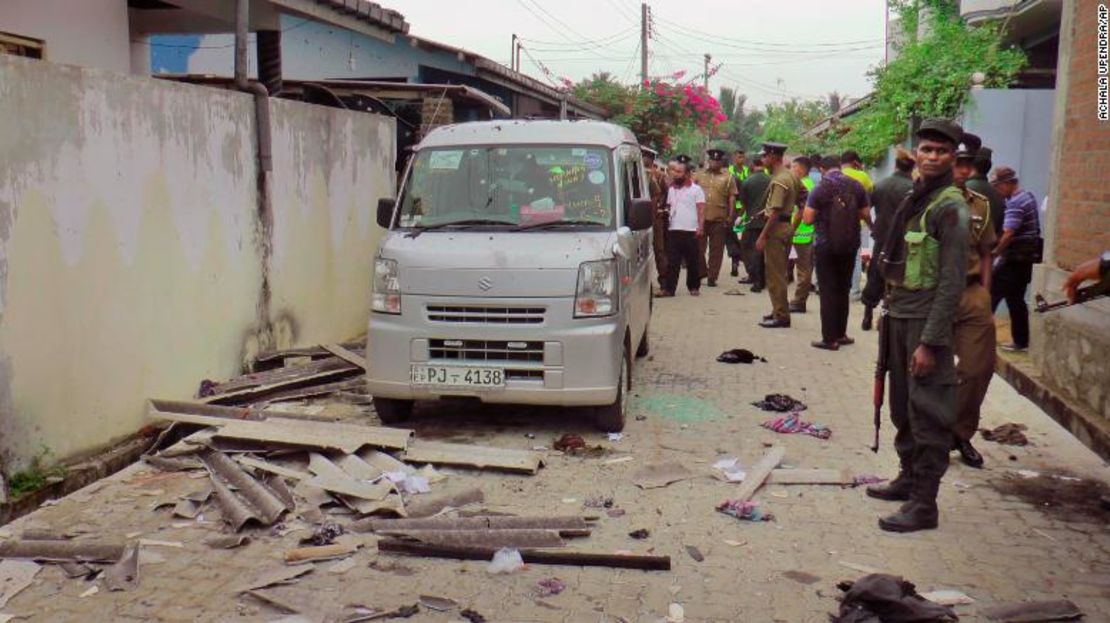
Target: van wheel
{"x": 391, "y": 411}
{"x": 611, "y": 418}
{"x": 644, "y": 349}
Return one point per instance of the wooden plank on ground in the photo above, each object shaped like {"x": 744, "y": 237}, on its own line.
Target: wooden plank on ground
{"x": 759, "y": 473}
{"x": 572, "y": 525}
{"x": 465, "y": 455}
{"x": 541, "y": 557}
{"x": 313, "y": 391}
{"x": 176, "y": 410}
{"x": 257, "y": 386}
{"x": 346, "y": 355}
{"x": 809, "y": 477}
{"x": 481, "y": 538}
{"x": 276, "y": 359}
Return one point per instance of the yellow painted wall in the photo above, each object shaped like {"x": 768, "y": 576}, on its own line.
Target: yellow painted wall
{"x": 129, "y": 244}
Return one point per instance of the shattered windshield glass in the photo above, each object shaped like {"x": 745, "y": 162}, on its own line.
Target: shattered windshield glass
{"x": 520, "y": 187}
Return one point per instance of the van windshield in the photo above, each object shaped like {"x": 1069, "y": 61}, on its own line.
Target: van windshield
{"x": 525, "y": 187}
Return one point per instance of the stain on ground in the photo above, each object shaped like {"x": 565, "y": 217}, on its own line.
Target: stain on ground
{"x": 1060, "y": 494}
{"x": 677, "y": 407}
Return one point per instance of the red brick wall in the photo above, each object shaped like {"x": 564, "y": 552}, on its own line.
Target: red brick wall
{"x": 1083, "y": 207}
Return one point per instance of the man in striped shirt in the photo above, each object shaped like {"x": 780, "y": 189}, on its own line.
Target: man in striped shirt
{"x": 1017, "y": 250}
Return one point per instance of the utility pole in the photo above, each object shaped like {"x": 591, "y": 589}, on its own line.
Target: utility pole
{"x": 512, "y": 56}
{"x": 705, "y": 85}
{"x": 643, "y": 42}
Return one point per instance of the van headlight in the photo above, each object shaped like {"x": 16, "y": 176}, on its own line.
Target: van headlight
{"x": 597, "y": 289}
{"x": 387, "y": 287}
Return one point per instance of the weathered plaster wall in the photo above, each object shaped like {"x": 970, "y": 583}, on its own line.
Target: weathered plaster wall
{"x": 130, "y": 244}
{"x": 91, "y": 33}
{"x": 331, "y": 166}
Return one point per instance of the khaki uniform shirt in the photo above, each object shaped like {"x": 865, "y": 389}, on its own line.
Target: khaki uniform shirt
{"x": 657, "y": 188}
{"x": 981, "y": 231}
{"x": 719, "y": 188}
{"x": 785, "y": 191}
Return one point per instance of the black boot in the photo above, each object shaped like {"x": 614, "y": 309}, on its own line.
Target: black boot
{"x": 735, "y": 268}
{"x": 921, "y": 511}
{"x": 897, "y": 490}
{"x": 866, "y": 324}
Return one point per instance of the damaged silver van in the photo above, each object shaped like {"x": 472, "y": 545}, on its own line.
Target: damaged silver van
{"x": 516, "y": 269}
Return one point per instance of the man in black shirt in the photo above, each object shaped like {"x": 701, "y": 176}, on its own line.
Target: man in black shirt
{"x": 981, "y": 185}
{"x": 752, "y": 194}
{"x": 888, "y": 194}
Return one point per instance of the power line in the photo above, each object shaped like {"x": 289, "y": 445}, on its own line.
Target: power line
{"x": 600, "y": 41}
{"x": 770, "y": 46}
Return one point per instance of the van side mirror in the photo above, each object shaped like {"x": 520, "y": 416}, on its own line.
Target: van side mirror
{"x": 385, "y": 212}
{"x": 640, "y": 214}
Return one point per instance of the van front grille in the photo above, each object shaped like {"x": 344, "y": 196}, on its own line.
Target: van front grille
{"x": 485, "y": 315}
{"x": 486, "y": 350}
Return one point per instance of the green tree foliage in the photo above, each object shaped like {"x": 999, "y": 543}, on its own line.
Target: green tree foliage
{"x": 931, "y": 75}
{"x": 786, "y": 122}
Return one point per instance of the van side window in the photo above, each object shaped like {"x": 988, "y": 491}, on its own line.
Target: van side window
{"x": 632, "y": 185}
{"x": 637, "y": 182}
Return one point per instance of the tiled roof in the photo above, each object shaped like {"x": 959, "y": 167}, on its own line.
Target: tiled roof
{"x": 371, "y": 13}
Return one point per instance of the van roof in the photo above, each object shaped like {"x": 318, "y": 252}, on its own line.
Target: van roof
{"x": 508, "y": 132}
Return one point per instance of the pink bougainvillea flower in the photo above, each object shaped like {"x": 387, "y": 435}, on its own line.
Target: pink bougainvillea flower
{"x": 678, "y": 74}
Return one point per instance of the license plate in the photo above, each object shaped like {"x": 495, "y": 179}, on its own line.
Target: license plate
{"x": 458, "y": 376}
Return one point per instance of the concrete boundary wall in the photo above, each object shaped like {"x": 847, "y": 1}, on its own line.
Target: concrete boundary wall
{"x": 131, "y": 258}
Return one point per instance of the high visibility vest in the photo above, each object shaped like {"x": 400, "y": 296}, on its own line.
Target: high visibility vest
{"x": 804, "y": 233}
{"x": 740, "y": 174}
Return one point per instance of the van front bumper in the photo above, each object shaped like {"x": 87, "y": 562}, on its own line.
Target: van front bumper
{"x": 564, "y": 361}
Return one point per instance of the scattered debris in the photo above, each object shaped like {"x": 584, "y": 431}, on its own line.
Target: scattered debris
{"x": 190, "y": 506}
{"x": 801, "y": 577}
{"x": 439, "y": 604}
{"x": 623, "y": 459}
{"x": 615, "y": 512}
{"x": 947, "y": 597}
{"x": 730, "y": 470}
{"x": 732, "y": 543}
{"x": 343, "y": 566}
{"x": 739, "y": 355}
{"x": 656, "y": 475}
{"x": 428, "y": 506}
{"x": 505, "y": 560}
{"x": 642, "y": 533}
{"x": 124, "y": 575}
{"x": 90, "y": 591}
{"x": 615, "y": 437}
{"x": 534, "y": 556}
{"x": 76, "y": 570}
{"x": 242, "y": 498}
{"x": 782, "y": 403}
{"x": 1059, "y": 494}
{"x": 734, "y": 292}
{"x": 883, "y": 597}
{"x": 759, "y": 473}
{"x": 346, "y": 355}
{"x": 598, "y": 502}
{"x": 695, "y": 553}
{"x": 15, "y": 575}
{"x": 511, "y": 538}
{"x": 1034, "y": 612}
{"x": 324, "y": 534}
{"x": 472, "y": 616}
{"x": 321, "y": 552}
{"x": 157, "y": 543}
{"x": 676, "y": 614}
{"x": 1007, "y": 434}
{"x": 274, "y": 577}
{"x": 551, "y": 586}
{"x": 569, "y": 442}
{"x": 744, "y": 509}
{"x": 792, "y": 423}
{"x": 568, "y": 526}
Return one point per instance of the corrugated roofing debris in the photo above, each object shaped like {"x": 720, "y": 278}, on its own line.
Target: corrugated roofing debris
{"x": 481, "y": 538}
{"x": 62, "y": 551}
{"x": 242, "y": 498}
{"x": 566, "y": 526}
{"x": 124, "y": 575}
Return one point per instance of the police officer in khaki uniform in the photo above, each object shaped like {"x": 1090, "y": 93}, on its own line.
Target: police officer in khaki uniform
{"x": 974, "y": 333}
{"x": 774, "y": 242}
{"x": 924, "y": 263}
{"x": 720, "y": 195}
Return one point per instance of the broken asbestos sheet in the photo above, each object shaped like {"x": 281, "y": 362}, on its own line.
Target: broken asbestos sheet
{"x": 658, "y": 475}
{"x": 481, "y": 457}
{"x": 62, "y": 551}
{"x": 241, "y": 497}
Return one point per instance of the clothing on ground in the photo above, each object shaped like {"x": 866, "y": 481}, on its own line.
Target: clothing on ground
{"x": 881, "y": 597}
{"x": 792, "y": 423}
{"x": 739, "y": 355}
{"x": 783, "y": 403}
{"x": 746, "y": 510}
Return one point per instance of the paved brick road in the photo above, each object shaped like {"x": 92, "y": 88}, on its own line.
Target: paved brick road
{"x": 997, "y": 541}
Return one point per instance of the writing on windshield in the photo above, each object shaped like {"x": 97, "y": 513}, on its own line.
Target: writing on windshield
{"x": 488, "y": 187}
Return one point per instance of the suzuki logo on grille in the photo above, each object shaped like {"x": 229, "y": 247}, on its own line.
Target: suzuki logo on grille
{"x": 485, "y": 283}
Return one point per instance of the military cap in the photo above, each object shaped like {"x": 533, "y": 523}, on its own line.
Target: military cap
{"x": 985, "y": 153}
{"x": 683, "y": 158}
{"x": 969, "y": 146}
{"x": 776, "y": 149}
{"x": 715, "y": 154}
{"x": 1004, "y": 174}
{"x": 950, "y": 130}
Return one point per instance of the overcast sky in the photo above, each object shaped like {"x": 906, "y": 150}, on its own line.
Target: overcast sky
{"x": 768, "y": 49}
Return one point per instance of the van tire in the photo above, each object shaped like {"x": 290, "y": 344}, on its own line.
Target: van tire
{"x": 644, "y": 349}
{"x": 611, "y": 418}
{"x": 391, "y": 411}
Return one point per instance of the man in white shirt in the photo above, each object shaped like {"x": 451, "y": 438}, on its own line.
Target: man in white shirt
{"x": 686, "y": 204}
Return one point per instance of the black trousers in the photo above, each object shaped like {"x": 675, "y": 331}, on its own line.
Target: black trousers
{"x": 834, "y": 272}
{"x": 682, "y": 246}
{"x": 1008, "y": 284}
{"x": 732, "y": 244}
{"x": 753, "y": 260}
